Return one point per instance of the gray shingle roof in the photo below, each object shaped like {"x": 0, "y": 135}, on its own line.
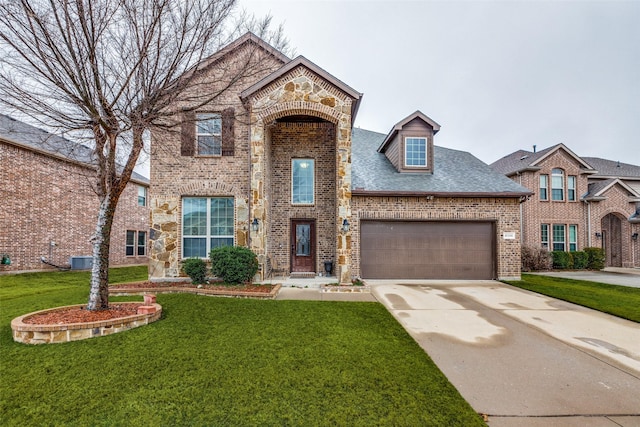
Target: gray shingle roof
{"x": 454, "y": 172}
{"x": 31, "y": 137}
{"x": 612, "y": 168}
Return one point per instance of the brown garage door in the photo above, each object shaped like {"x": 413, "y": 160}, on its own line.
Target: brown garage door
{"x": 427, "y": 250}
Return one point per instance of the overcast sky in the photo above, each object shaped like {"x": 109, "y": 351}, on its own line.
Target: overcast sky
{"x": 497, "y": 76}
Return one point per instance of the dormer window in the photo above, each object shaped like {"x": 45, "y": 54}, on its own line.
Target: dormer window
{"x": 415, "y": 152}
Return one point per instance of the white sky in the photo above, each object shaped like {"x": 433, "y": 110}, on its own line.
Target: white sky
{"x": 498, "y": 76}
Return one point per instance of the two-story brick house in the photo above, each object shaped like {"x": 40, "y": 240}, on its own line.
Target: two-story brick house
{"x": 579, "y": 202}
{"x": 50, "y": 209}
{"x": 274, "y": 164}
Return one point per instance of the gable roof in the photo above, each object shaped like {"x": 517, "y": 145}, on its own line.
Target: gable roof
{"x": 21, "y": 134}
{"x": 398, "y": 127}
{"x": 458, "y": 173}
{"x": 610, "y": 168}
{"x": 597, "y": 189}
{"x": 301, "y": 61}
{"x": 522, "y": 160}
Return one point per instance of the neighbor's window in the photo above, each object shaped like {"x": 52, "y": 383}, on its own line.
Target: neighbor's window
{"x": 544, "y": 187}
{"x": 130, "y": 243}
{"x": 302, "y": 181}
{"x": 558, "y": 237}
{"x": 557, "y": 184}
{"x": 544, "y": 235}
{"x": 571, "y": 188}
{"x": 142, "y": 195}
{"x": 415, "y": 151}
{"x": 142, "y": 243}
{"x": 209, "y": 134}
{"x": 573, "y": 238}
{"x": 207, "y": 223}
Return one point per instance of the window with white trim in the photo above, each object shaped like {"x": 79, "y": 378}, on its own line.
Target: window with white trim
{"x": 130, "y": 243}
{"x": 207, "y": 223}
{"x": 142, "y": 243}
{"x": 209, "y": 134}
{"x": 544, "y": 187}
{"x": 559, "y": 237}
{"x": 142, "y": 195}
{"x": 302, "y": 182}
{"x": 415, "y": 152}
{"x": 544, "y": 236}
{"x": 136, "y": 243}
{"x": 571, "y": 188}
{"x": 573, "y": 237}
{"x": 557, "y": 184}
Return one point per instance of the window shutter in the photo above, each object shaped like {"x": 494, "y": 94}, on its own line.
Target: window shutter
{"x": 228, "y": 136}
{"x": 188, "y": 131}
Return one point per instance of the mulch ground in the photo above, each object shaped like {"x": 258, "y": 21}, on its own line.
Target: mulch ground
{"x": 80, "y": 314}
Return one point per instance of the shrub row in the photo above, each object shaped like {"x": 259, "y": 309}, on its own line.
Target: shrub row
{"x": 535, "y": 259}
{"x": 232, "y": 264}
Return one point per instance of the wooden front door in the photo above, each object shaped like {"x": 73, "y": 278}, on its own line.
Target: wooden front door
{"x": 303, "y": 245}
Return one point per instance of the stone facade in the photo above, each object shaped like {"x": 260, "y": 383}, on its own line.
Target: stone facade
{"x": 50, "y": 200}
{"x": 505, "y": 212}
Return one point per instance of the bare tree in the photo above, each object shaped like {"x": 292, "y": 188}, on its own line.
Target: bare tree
{"x": 111, "y": 70}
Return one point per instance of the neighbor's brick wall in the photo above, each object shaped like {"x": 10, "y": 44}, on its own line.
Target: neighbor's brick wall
{"x": 50, "y": 200}
{"x": 504, "y": 211}
{"x": 302, "y": 140}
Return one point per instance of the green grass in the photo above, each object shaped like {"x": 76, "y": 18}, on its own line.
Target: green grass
{"x": 621, "y": 301}
{"x": 223, "y": 361}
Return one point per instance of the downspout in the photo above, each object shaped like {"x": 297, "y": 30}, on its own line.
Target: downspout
{"x": 521, "y": 211}
{"x": 588, "y": 222}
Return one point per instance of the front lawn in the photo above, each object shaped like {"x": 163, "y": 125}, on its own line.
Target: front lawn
{"x": 620, "y": 301}
{"x": 222, "y": 361}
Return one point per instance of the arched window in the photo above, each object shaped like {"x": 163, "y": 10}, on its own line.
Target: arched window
{"x": 557, "y": 184}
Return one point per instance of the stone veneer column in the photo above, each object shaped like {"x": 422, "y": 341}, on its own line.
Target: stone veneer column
{"x": 163, "y": 239}
{"x": 343, "y": 195}
{"x": 258, "y": 203}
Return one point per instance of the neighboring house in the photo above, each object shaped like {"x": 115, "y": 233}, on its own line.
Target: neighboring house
{"x": 276, "y": 165}
{"x": 50, "y": 209}
{"x": 579, "y": 202}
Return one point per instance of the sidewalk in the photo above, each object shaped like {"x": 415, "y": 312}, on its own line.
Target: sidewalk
{"x": 610, "y": 275}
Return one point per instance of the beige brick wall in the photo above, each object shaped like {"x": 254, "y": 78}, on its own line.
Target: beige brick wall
{"x": 51, "y": 200}
{"x": 504, "y": 211}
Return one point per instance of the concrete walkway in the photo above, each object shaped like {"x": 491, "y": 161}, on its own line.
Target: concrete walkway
{"x": 610, "y": 275}
{"x": 522, "y": 358}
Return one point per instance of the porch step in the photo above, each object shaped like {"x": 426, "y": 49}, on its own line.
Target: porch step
{"x": 309, "y": 275}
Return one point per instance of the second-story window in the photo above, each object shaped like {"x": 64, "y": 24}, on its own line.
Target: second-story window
{"x": 571, "y": 188}
{"x": 302, "y": 182}
{"x": 142, "y": 195}
{"x": 415, "y": 152}
{"x": 557, "y": 184}
{"x": 544, "y": 187}
{"x": 209, "y": 134}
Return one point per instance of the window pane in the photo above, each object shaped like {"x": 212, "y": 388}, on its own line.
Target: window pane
{"x": 195, "y": 248}
{"x": 544, "y": 235}
{"x": 302, "y": 185}
{"x": 544, "y": 186}
{"x": 303, "y": 240}
{"x": 557, "y": 184}
{"x": 415, "y": 151}
{"x": 558, "y": 238}
{"x": 222, "y": 216}
{"x": 194, "y": 217}
{"x": 218, "y": 242}
{"x": 142, "y": 196}
{"x": 209, "y": 134}
{"x": 129, "y": 244}
{"x": 573, "y": 238}
{"x": 142, "y": 243}
{"x": 571, "y": 188}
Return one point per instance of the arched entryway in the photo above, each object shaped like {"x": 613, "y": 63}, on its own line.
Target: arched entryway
{"x": 612, "y": 239}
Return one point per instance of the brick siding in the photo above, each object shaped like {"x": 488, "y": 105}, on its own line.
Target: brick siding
{"x": 51, "y": 200}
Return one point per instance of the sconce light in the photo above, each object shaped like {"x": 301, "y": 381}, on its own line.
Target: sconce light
{"x": 634, "y": 236}
{"x": 598, "y": 234}
{"x": 254, "y": 224}
{"x": 345, "y": 226}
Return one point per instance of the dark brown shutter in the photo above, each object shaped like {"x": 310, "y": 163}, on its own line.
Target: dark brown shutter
{"x": 188, "y": 145}
{"x": 228, "y": 136}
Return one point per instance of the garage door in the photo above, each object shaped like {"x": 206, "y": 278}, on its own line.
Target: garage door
{"x": 427, "y": 250}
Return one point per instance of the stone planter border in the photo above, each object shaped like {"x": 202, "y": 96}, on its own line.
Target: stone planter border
{"x": 123, "y": 291}
{"x": 57, "y": 333}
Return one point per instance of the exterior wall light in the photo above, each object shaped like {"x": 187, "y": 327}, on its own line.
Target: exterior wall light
{"x": 598, "y": 234}
{"x": 634, "y": 236}
{"x": 345, "y": 226}
{"x": 254, "y": 224}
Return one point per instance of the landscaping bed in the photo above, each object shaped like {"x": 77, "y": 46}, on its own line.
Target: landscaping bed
{"x": 213, "y": 289}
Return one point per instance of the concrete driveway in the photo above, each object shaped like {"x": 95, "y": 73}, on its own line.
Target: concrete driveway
{"x": 521, "y": 358}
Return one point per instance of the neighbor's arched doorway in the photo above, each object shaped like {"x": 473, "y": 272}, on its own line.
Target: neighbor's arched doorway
{"x": 612, "y": 239}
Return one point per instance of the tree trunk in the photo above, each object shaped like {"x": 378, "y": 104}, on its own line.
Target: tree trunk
{"x": 101, "y": 240}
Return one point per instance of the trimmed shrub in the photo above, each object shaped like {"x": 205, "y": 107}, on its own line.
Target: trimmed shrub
{"x": 535, "y": 259}
{"x": 196, "y": 269}
{"x": 562, "y": 260}
{"x": 595, "y": 258}
{"x": 580, "y": 260}
{"x": 234, "y": 264}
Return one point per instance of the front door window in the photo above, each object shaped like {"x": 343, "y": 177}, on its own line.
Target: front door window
{"x": 303, "y": 247}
